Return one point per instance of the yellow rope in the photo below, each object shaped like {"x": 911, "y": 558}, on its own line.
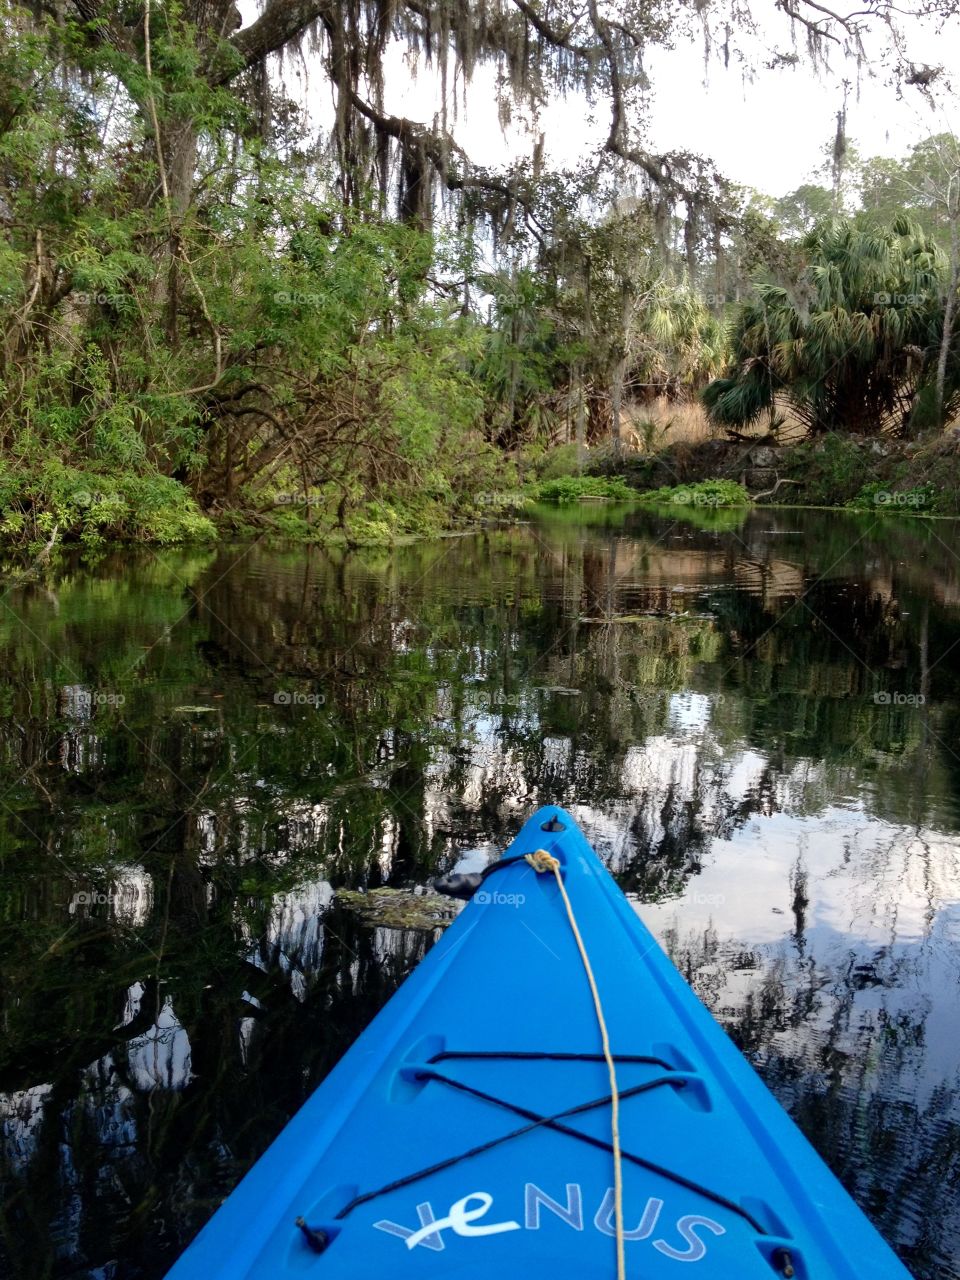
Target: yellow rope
{"x": 542, "y": 861}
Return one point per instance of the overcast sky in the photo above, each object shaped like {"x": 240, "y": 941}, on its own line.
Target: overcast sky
{"x": 767, "y": 130}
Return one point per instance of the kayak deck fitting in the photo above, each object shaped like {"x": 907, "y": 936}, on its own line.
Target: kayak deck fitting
{"x": 467, "y": 1132}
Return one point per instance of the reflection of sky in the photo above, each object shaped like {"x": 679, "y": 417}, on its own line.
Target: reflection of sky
{"x": 160, "y": 1059}
{"x": 881, "y": 925}
{"x": 293, "y": 940}
{"x": 881, "y": 920}
{"x": 873, "y": 888}
{"x": 689, "y": 711}
{"x": 868, "y": 881}
{"x": 22, "y": 1113}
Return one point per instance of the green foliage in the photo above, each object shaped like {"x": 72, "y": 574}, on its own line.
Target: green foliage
{"x": 214, "y": 336}
{"x": 800, "y": 210}
{"x": 41, "y": 503}
{"x": 880, "y": 496}
{"x": 521, "y": 361}
{"x": 293, "y": 350}
{"x": 564, "y": 460}
{"x": 917, "y": 184}
{"x": 566, "y": 489}
{"x": 677, "y": 343}
{"x": 850, "y": 345}
{"x": 703, "y": 493}
{"x": 830, "y": 471}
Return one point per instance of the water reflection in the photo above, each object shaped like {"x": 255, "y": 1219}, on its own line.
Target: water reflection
{"x": 755, "y": 723}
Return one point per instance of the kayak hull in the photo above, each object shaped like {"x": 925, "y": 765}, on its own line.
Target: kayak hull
{"x": 426, "y": 1153}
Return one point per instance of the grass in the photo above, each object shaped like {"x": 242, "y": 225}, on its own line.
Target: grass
{"x": 653, "y": 425}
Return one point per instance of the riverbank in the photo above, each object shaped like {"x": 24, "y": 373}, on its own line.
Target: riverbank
{"x": 64, "y": 506}
{"x": 848, "y": 471}
{"x": 54, "y": 505}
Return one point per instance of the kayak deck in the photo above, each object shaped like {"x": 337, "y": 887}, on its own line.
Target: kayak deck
{"x": 467, "y": 1132}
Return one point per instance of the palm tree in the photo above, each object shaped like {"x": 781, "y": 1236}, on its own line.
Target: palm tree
{"x": 852, "y": 345}
{"x": 678, "y": 344}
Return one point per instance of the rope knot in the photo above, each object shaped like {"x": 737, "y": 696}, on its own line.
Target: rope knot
{"x": 542, "y": 861}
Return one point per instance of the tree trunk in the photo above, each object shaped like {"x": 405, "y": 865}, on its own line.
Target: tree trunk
{"x": 616, "y": 394}
{"x": 581, "y": 422}
{"x": 949, "y": 309}
{"x": 620, "y": 369}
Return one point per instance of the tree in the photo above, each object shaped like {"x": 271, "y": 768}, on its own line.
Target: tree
{"x": 557, "y": 48}
{"x": 916, "y": 184}
{"x": 951, "y": 203}
{"x": 800, "y": 210}
{"x": 157, "y": 193}
{"x": 927, "y": 184}
{"x": 852, "y": 346}
{"x": 522, "y": 369}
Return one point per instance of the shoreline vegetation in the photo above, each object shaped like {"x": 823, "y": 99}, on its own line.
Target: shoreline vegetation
{"x": 217, "y": 321}
{"x": 842, "y": 473}
{"x": 920, "y": 479}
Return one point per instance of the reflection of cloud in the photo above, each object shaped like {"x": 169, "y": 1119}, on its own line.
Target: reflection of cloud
{"x": 247, "y": 1026}
{"x": 238, "y": 825}
{"x": 160, "y": 1059}
{"x": 557, "y": 752}
{"x": 81, "y": 751}
{"x": 403, "y": 945}
{"x": 946, "y": 926}
{"x": 743, "y": 774}
{"x": 76, "y": 702}
{"x": 111, "y": 1106}
{"x": 471, "y": 860}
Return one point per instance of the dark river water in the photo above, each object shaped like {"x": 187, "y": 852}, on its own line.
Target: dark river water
{"x": 755, "y": 718}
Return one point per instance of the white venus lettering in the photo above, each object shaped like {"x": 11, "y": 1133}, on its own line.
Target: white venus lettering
{"x": 604, "y": 1221}
{"x": 460, "y": 1220}
{"x": 464, "y": 1215}
{"x": 570, "y": 1213}
{"x": 686, "y": 1229}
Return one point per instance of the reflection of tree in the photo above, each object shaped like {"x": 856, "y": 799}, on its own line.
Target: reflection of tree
{"x": 461, "y": 685}
{"x": 838, "y": 1033}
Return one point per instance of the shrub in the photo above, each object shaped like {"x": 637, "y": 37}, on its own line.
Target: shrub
{"x": 564, "y": 460}
{"x": 705, "y": 493}
{"x": 830, "y": 472}
{"x": 573, "y": 488}
{"x": 880, "y": 495}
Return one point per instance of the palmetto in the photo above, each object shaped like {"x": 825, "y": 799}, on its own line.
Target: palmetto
{"x": 851, "y": 346}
